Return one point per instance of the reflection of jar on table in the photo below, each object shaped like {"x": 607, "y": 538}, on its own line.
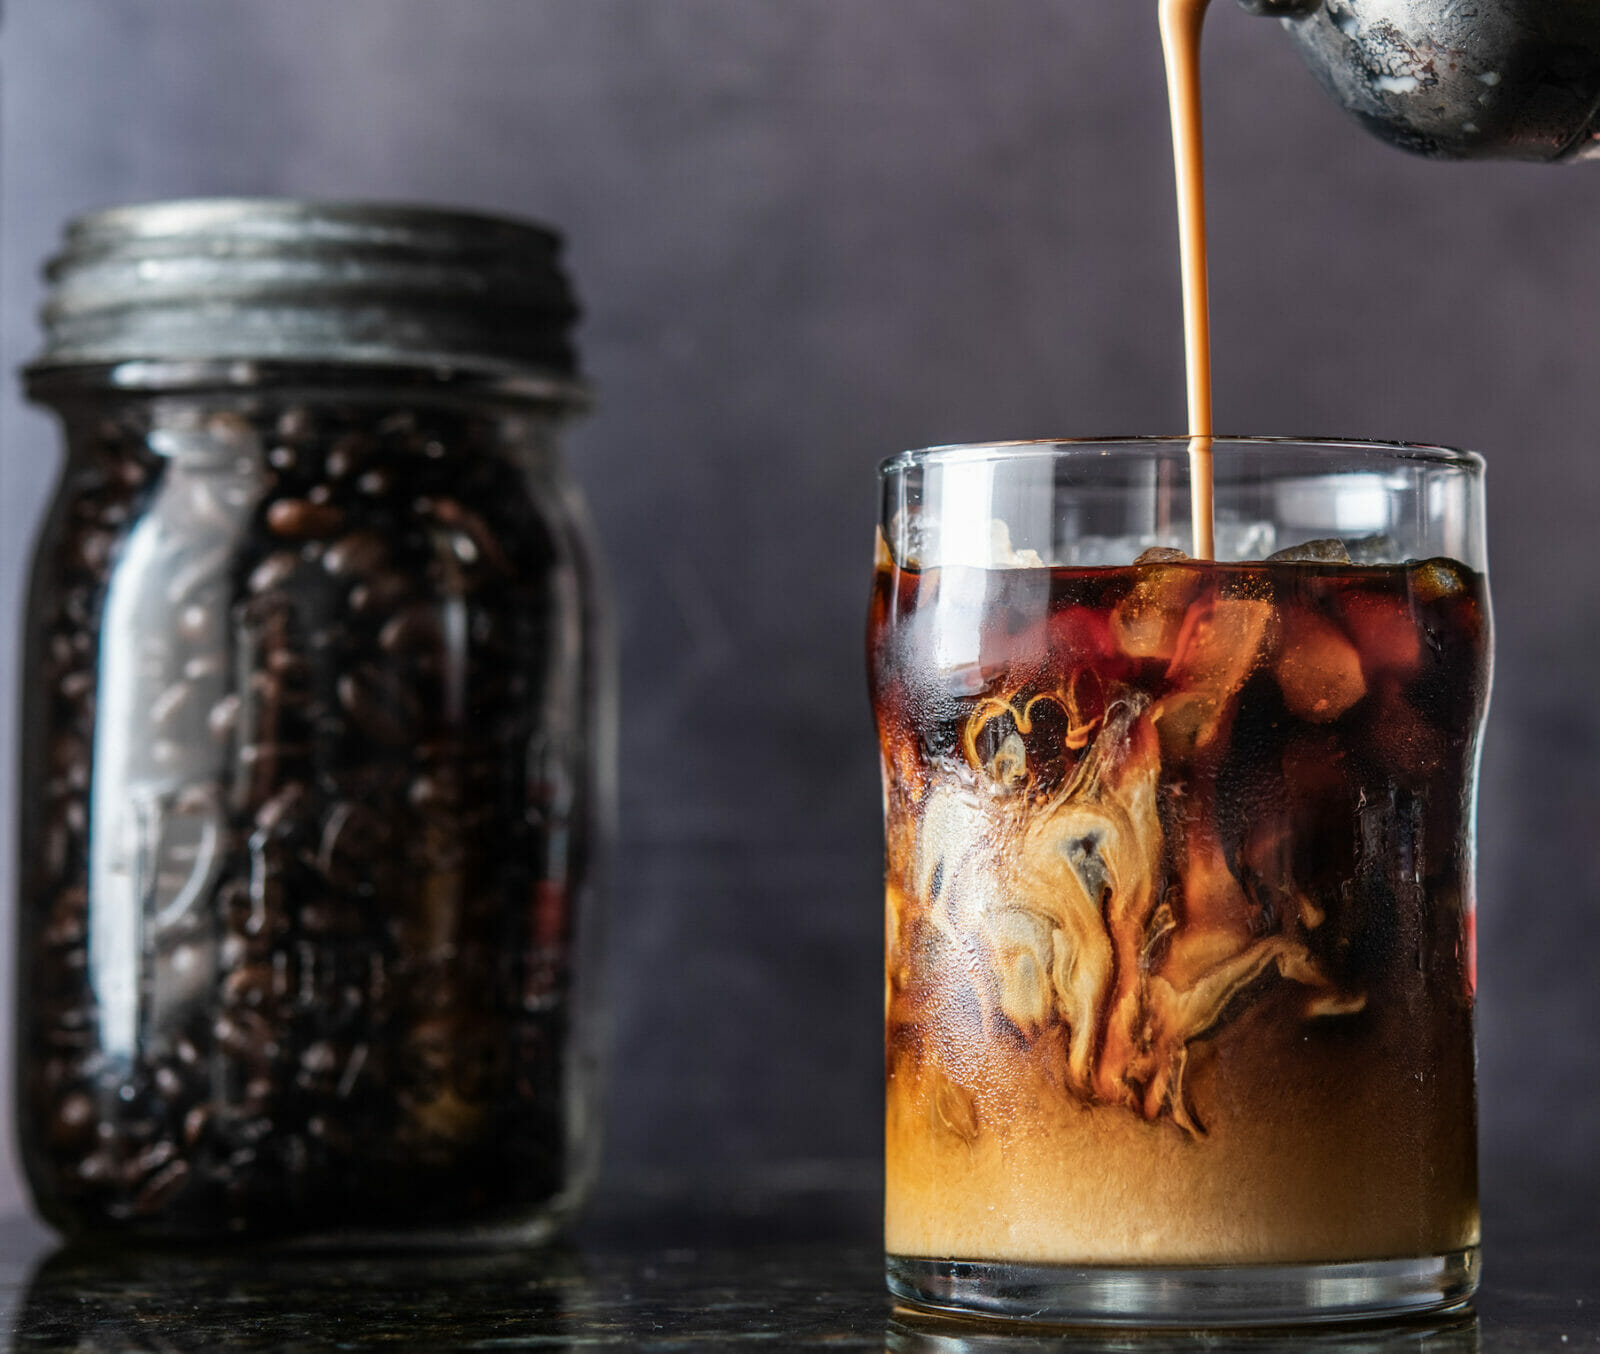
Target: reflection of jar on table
{"x": 316, "y": 736}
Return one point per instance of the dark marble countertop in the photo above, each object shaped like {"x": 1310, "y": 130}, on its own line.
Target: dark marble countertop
{"x": 667, "y": 1275}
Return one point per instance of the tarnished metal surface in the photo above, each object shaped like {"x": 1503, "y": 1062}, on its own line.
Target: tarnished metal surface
{"x": 1459, "y": 79}
{"x": 239, "y": 279}
{"x": 1279, "y": 9}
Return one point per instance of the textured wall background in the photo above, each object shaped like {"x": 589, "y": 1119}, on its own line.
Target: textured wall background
{"x": 811, "y": 233}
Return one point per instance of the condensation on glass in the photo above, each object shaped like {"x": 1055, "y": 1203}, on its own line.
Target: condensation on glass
{"x": 316, "y": 735}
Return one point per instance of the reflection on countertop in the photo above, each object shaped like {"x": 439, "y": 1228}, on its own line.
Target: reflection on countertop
{"x": 1456, "y": 1333}
{"x": 665, "y": 1271}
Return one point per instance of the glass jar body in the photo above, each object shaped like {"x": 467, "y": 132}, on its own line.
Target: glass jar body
{"x": 314, "y": 781}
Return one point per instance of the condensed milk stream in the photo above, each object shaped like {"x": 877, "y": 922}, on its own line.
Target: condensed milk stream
{"x": 1181, "y": 24}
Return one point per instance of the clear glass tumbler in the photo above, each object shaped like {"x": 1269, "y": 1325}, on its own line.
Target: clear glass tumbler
{"x": 1180, "y": 968}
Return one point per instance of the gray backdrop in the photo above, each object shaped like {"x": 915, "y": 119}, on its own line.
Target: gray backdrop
{"x": 811, "y": 233}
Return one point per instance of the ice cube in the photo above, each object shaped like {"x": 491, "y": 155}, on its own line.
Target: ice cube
{"x": 1146, "y": 623}
{"x": 1234, "y": 540}
{"x": 1318, "y": 668}
{"x": 1109, "y": 552}
{"x": 1385, "y": 632}
{"x": 914, "y": 540}
{"x": 1003, "y": 555}
{"x": 1435, "y": 579}
{"x": 1377, "y": 549}
{"x": 1326, "y": 551}
{"x": 1218, "y": 648}
{"x": 1244, "y": 540}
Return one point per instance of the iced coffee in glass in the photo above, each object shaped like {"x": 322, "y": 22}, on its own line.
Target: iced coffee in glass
{"x": 1180, "y": 970}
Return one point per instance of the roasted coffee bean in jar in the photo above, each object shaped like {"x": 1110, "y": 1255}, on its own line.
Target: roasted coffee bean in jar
{"x": 316, "y": 733}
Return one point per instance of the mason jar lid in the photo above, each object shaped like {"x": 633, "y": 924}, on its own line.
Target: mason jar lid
{"x": 241, "y": 280}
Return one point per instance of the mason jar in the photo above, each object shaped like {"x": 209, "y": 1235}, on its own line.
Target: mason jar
{"x": 316, "y": 740}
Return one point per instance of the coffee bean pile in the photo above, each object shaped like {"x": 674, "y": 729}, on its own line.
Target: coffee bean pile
{"x": 307, "y": 818}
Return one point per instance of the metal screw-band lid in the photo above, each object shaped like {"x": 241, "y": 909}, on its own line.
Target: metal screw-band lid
{"x": 262, "y": 280}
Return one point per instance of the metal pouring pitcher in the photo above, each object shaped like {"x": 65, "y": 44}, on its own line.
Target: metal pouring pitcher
{"x": 1458, "y": 79}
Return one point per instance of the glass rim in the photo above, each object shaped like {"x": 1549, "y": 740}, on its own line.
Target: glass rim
{"x": 1085, "y": 447}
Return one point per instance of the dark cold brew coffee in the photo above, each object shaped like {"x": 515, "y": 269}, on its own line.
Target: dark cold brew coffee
{"x": 1179, "y": 908}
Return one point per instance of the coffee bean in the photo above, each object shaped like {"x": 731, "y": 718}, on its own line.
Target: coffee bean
{"x": 424, "y": 792}
{"x": 380, "y": 594}
{"x": 204, "y": 666}
{"x": 224, "y": 717}
{"x": 76, "y": 685}
{"x": 352, "y": 837}
{"x": 274, "y": 571}
{"x": 265, "y": 693}
{"x": 92, "y": 550}
{"x": 74, "y": 1121}
{"x": 474, "y": 530}
{"x": 347, "y": 455}
{"x": 319, "y": 1060}
{"x": 67, "y": 926}
{"x": 296, "y": 425}
{"x": 154, "y": 1157}
{"x": 246, "y": 1035}
{"x": 300, "y": 517}
{"x": 315, "y": 920}
{"x": 169, "y": 704}
{"x": 195, "y": 1123}
{"x": 69, "y": 760}
{"x": 265, "y": 763}
{"x": 287, "y": 665}
{"x": 194, "y": 623}
{"x": 158, "y": 1191}
{"x": 417, "y": 627}
{"x": 248, "y": 986}
{"x": 380, "y": 704}
{"x": 97, "y": 1168}
{"x": 78, "y": 605}
{"x": 356, "y": 555}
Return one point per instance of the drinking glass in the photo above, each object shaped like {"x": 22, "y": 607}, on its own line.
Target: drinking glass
{"x": 1179, "y": 878}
